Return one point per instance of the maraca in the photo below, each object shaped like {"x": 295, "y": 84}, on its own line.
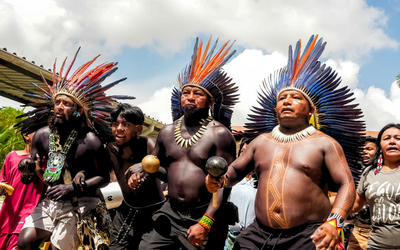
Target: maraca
{"x": 216, "y": 166}
{"x": 150, "y": 164}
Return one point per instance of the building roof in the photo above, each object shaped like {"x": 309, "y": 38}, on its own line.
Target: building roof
{"x": 16, "y": 73}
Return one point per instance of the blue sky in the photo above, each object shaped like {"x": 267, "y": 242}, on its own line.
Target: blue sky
{"x": 153, "y": 40}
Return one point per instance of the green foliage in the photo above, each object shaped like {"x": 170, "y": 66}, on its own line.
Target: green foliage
{"x": 10, "y": 138}
{"x": 398, "y": 80}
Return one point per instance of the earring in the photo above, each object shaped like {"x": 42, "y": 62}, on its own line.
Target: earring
{"x": 379, "y": 165}
{"x": 76, "y": 114}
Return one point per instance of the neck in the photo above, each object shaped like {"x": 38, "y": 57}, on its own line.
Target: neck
{"x": 193, "y": 119}
{"x": 289, "y": 130}
{"x": 391, "y": 164}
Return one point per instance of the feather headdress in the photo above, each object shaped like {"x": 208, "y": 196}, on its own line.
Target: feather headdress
{"x": 84, "y": 88}
{"x": 204, "y": 72}
{"x": 334, "y": 114}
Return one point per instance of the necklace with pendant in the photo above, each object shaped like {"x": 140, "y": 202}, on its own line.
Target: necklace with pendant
{"x": 181, "y": 141}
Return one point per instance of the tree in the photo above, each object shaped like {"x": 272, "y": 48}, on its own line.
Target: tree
{"x": 398, "y": 80}
{"x": 10, "y": 138}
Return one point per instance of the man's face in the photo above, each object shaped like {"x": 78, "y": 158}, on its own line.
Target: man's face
{"x": 368, "y": 152}
{"x": 123, "y": 131}
{"x": 194, "y": 98}
{"x": 292, "y": 105}
{"x": 64, "y": 107}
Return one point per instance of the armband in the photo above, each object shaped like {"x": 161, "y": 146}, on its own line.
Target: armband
{"x": 206, "y": 222}
{"x": 335, "y": 220}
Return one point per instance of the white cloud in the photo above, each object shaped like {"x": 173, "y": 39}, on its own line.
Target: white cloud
{"x": 159, "y": 105}
{"x": 248, "y": 70}
{"x": 347, "y": 70}
{"x": 379, "y": 108}
{"x": 44, "y": 29}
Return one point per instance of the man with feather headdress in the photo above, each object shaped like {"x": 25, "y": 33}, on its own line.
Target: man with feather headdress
{"x": 183, "y": 148}
{"x": 69, "y": 119}
{"x": 297, "y": 162}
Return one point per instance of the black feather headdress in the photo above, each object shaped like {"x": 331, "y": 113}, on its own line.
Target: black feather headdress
{"x": 334, "y": 115}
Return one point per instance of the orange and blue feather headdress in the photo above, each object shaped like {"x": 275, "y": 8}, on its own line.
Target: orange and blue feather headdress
{"x": 84, "y": 88}
{"x": 204, "y": 72}
{"x": 334, "y": 114}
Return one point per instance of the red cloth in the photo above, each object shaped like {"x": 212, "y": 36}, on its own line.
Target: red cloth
{"x": 24, "y": 199}
{"x": 8, "y": 241}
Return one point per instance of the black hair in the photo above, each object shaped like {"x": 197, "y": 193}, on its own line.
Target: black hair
{"x": 370, "y": 139}
{"x": 378, "y": 142}
{"x": 27, "y": 164}
{"x": 130, "y": 113}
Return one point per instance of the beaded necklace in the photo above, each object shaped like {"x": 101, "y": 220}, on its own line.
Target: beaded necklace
{"x": 281, "y": 137}
{"x": 57, "y": 155}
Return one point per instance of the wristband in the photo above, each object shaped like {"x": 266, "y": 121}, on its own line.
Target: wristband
{"x": 206, "y": 222}
{"x": 335, "y": 220}
{"x": 226, "y": 179}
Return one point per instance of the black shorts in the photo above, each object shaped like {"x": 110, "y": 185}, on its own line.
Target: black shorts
{"x": 258, "y": 236}
{"x": 130, "y": 224}
{"x": 171, "y": 225}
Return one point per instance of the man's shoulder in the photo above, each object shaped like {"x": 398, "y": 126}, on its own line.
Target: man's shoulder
{"x": 43, "y": 131}
{"x": 219, "y": 128}
{"x": 92, "y": 139}
{"x": 167, "y": 129}
{"x": 325, "y": 139}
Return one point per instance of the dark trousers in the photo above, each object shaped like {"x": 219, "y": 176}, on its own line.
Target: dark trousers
{"x": 171, "y": 225}
{"x": 258, "y": 236}
{"x": 129, "y": 225}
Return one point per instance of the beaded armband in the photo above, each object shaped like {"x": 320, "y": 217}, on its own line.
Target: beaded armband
{"x": 335, "y": 220}
{"x": 206, "y": 222}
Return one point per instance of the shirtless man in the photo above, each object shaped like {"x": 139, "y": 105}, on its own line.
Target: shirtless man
{"x": 133, "y": 217}
{"x": 73, "y": 115}
{"x": 294, "y": 173}
{"x": 183, "y": 148}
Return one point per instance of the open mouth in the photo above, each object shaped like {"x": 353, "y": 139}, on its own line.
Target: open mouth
{"x": 120, "y": 136}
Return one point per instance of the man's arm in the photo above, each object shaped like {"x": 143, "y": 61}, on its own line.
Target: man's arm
{"x": 335, "y": 160}
{"x": 135, "y": 174}
{"x": 242, "y": 166}
{"x": 225, "y": 148}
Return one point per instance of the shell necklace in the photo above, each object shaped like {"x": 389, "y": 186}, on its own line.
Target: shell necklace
{"x": 178, "y": 136}
{"x": 281, "y": 137}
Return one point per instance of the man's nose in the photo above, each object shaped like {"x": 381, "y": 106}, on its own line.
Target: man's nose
{"x": 59, "y": 106}
{"x": 287, "y": 100}
{"x": 191, "y": 96}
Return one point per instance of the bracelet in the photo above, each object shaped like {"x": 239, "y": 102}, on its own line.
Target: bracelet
{"x": 335, "y": 220}
{"x": 226, "y": 179}
{"x": 206, "y": 222}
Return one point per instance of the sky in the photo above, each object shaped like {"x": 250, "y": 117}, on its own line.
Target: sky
{"x": 153, "y": 40}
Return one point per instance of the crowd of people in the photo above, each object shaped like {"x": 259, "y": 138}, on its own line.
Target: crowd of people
{"x": 304, "y": 140}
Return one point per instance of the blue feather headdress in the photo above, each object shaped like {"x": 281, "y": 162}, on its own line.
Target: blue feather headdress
{"x": 204, "y": 71}
{"x": 334, "y": 114}
{"x": 84, "y": 88}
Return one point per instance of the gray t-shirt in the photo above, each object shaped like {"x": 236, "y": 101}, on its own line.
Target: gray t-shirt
{"x": 383, "y": 196}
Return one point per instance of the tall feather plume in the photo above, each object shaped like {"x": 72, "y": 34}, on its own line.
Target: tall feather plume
{"x": 205, "y": 71}
{"x": 336, "y": 116}
{"x": 85, "y": 89}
